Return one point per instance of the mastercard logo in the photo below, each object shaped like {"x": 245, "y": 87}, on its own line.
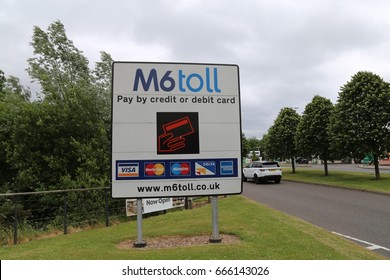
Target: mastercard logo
{"x": 154, "y": 169}
{"x": 180, "y": 168}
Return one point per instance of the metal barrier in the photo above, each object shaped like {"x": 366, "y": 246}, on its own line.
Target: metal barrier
{"x": 26, "y": 208}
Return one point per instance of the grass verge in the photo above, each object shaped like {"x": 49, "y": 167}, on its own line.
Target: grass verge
{"x": 264, "y": 233}
{"x": 353, "y": 180}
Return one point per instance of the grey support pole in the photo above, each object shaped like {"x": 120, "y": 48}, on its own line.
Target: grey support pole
{"x": 106, "y": 212}
{"x": 139, "y": 243}
{"x": 16, "y": 222}
{"x": 214, "y": 215}
{"x": 65, "y": 213}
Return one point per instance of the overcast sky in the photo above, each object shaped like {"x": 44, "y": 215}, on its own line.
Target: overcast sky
{"x": 287, "y": 50}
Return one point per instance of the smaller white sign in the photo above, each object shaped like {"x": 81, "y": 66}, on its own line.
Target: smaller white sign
{"x": 153, "y": 205}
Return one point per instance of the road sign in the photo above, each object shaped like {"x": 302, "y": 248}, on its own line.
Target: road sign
{"x": 176, "y": 130}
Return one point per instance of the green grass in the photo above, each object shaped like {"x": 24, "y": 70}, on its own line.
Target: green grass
{"x": 353, "y": 180}
{"x": 264, "y": 233}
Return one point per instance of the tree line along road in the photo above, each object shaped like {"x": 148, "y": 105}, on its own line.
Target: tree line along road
{"x": 359, "y": 216}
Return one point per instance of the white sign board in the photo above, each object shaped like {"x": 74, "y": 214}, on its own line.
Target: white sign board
{"x": 176, "y": 130}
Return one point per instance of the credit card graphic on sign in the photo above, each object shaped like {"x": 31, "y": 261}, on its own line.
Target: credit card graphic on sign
{"x": 179, "y": 128}
{"x": 177, "y": 133}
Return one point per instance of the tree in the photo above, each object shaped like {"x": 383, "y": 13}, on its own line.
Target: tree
{"x": 63, "y": 140}
{"x": 281, "y": 135}
{"x": 312, "y": 136}
{"x": 244, "y": 145}
{"x": 266, "y": 146}
{"x": 57, "y": 64}
{"x": 361, "y": 120}
{"x": 255, "y": 144}
{"x": 252, "y": 144}
{"x": 70, "y": 118}
{"x": 102, "y": 73}
{"x": 101, "y": 77}
{"x": 12, "y": 86}
{"x": 2, "y": 81}
{"x": 13, "y": 98}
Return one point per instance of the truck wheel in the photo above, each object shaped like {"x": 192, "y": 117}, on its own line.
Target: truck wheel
{"x": 277, "y": 181}
{"x": 257, "y": 180}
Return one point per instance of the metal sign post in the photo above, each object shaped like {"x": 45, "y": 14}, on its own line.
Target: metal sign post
{"x": 139, "y": 243}
{"x": 214, "y": 216}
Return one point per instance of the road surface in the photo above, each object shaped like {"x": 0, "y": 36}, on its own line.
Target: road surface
{"x": 359, "y": 216}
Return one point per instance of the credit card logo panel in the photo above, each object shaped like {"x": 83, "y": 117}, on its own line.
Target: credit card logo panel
{"x": 204, "y": 168}
{"x": 127, "y": 170}
{"x": 154, "y": 169}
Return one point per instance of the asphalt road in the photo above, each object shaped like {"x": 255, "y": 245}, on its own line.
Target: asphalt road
{"x": 359, "y": 216}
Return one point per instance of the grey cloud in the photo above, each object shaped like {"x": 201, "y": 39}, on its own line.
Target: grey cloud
{"x": 287, "y": 50}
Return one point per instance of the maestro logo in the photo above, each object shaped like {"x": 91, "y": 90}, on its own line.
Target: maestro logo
{"x": 180, "y": 169}
{"x": 154, "y": 169}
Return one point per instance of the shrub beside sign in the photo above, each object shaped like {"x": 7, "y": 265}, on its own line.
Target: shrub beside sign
{"x": 176, "y": 130}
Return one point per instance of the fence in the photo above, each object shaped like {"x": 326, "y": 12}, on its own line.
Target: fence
{"x": 44, "y": 210}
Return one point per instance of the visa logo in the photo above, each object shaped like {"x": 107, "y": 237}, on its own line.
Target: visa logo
{"x": 186, "y": 82}
{"x": 128, "y": 169}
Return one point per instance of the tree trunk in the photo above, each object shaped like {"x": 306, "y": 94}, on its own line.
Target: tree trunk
{"x": 376, "y": 163}
{"x": 326, "y": 166}
{"x": 293, "y": 164}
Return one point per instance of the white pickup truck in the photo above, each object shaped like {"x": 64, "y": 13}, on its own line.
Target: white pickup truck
{"x": 263, "y": 171}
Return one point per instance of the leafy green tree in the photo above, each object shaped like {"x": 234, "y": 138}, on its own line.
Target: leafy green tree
{"x": 281, "y": 135}
{"x": 312, "y": 136}
{"x": 255, "y": 144}
{"x": 12, "y": 86}
{"x": 361, "y": 120}
{"x": 13, "y": 98}
{"x": 57, "y": 64}
{"x": 245, "y": 145}
{"x": 63, "y": 140}
{"x": 101, "y": 77}
{"x": 266, "y": 146}
{"x": 55, "y": 138}
{"x": 53, "y": 142}
{"x": 2, "y": 81}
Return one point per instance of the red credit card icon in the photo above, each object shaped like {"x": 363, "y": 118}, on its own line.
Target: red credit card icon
{"x": 179, "y": 128}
